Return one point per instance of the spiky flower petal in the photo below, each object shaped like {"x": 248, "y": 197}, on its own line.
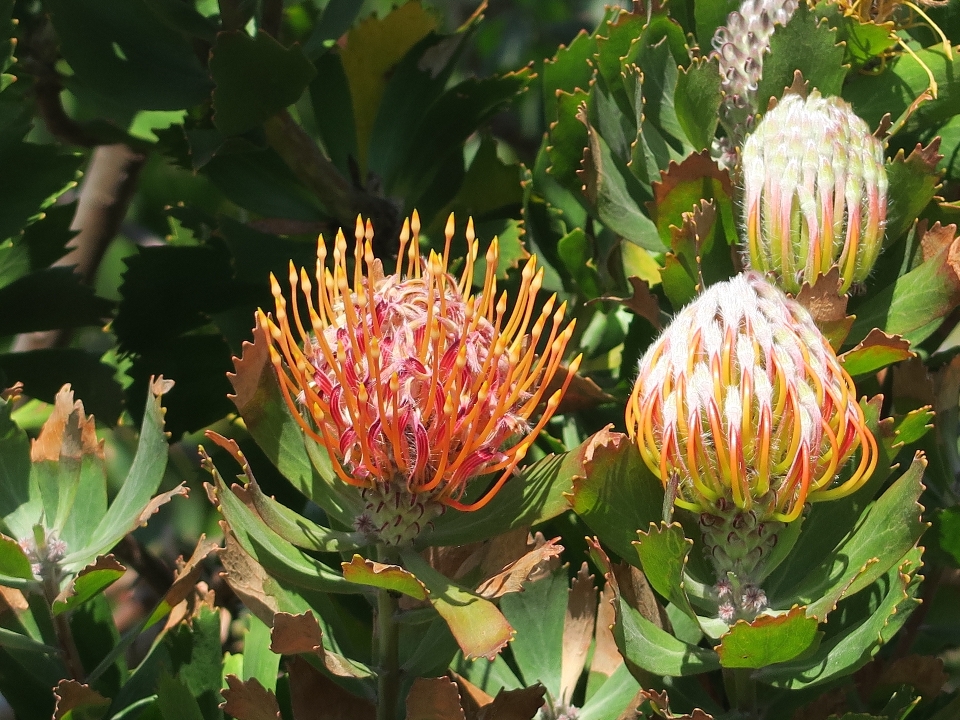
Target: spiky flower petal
{"x": 815, "y": 192}
{"x": 413, "y": 384}
{"x": 742, "y": 405}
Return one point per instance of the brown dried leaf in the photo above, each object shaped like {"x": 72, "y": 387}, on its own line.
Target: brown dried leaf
{"x": 160, "y": 500}
{"x": 642, "y": 302}
{"x": 295, "y": 634}
{"x": 935, "y": 240}
{"x": 12, "y": 599}
{"x": 504, "y": 549}
{"x": 301, "y": 634}
{"x": 637, "y": 592}
{"x": 72, "y": 695}
{"x": 927, "y": 157}
{"x": 434, "y": 699}
{"x": 522, "y": 704}
{"x": 184, "y": 578}
{"x": 582, "y": 393}
{"x": 472, "y": 698}
{"x": 67, "y": 433}
{"x": 577, "y": 631}
{"x": 912, "y": 381}
{"x": 314, "y": 696}
{"x": 918, "y": 671}
{"x": 247, "y": 578}
{"x": 606, "y": 656}
{"x": 254, "y": 360}
{"x": 249, "y": 700}
{"x": 828, "y": 307}
{"x": 512, "y": 577}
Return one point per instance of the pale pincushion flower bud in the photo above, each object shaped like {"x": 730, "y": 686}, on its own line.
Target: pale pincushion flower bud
{"x": 815, "y": 192}
{"x": 740, "y": 46}
{"x": 743, "y": 411}
{"x": 414, "y": 384}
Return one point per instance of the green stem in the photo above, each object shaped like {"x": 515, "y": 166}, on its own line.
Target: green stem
{"x": 61, "y": 623}
{"x": 387, "y": 648}
{"x": 741, "y": 690}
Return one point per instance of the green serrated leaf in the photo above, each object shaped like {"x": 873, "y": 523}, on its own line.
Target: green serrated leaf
{"x": 298, "y": 530}
{"x": 259, "y": 661}
{"x": 479, "y": 627}
{"x": 567, "y": 139}
{"x": 646, "y": 646}
{"x": 805, "y": 44}
{"x": 388, "y": 577}
{"x": 697, "y": 101}
{"x": 135, "y": 496}
{"x": 616, "y": 494}
{"x": 913, "y": 182}
{"x": 538, "y": 614}
{"x": 255, "y": 78}
{"x": 576, "y": 253}
{"x": 333, "y": 111}
{"x": 567, "y": 72}
{"x": 913, "y": 306}
{"x": 121, "y": 51}
{"x": 767, "y": 640}
{"x": 616, "y": 194}
{"x": 905, "y": 78}
{"x": 913, "y": 426}
{"x": 663, "y": 554}
{"x": 90, "y": 581}
{"x": 852, "y": 648}
{"x": 278, "y": 557}
{"x": 882, "y": 535}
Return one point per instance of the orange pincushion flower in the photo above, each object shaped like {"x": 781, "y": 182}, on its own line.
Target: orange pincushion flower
{"x": 412, "y": 383}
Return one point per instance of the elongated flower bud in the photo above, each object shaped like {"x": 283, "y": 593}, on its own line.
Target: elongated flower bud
{"x": 815, "y": 192}
{"x": 740, "y": 46}
{"x": 413, "y": 384}
{"x": 743, "y": 403}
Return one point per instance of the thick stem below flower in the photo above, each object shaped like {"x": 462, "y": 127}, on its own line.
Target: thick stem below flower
{"x": 387, "y": 649}
{"x": 741, "y": 691}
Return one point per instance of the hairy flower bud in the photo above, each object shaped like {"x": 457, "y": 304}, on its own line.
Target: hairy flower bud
{"x": 740, "y": 46}
{"x": 815, "y": 192}
{"x": 742, "y": 406}
{"x": 413, "y": 384}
